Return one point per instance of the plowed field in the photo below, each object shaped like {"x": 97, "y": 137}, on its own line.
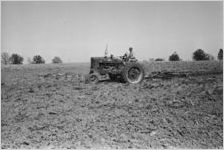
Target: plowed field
{"x": 54, "y": 108}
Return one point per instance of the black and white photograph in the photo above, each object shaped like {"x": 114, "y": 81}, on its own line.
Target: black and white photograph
{"x": 112, "y": 74}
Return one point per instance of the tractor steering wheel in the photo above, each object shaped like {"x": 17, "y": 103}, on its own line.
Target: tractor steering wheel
{"x": 125, "y": 57}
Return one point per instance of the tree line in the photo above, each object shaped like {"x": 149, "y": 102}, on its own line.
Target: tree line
{"x": 18, "y": 59}
{"x": 198, "y": 55}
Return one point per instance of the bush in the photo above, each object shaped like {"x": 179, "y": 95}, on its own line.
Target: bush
{"x": 174, "y": 57}
{"x": 38, "y": 60}
{"x": 200, "y": 55}
{"x": 56, "y": 60}
{"x": 159, "y": 59}
{"x": 220, "y": 54}
{"x": 5, "y": 58}
{"x": 16, "y": 59}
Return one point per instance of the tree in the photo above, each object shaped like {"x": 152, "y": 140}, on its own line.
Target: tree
{"x": 38, "y": 60}
{"x": 199, "y": 54}
{"x": 5, "y": 58}
{"x": 56, "y": 60}
{"x": 16, "y": 59}
{"x": 220, "y": 54}
{"x": 174, "y": 57}
{"x": 159, "y": 59}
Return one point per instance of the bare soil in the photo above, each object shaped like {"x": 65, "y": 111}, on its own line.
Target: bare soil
{"x": 54, "y": 108}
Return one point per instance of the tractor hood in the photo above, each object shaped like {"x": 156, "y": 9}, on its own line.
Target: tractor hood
{"x": 95, "y": 61}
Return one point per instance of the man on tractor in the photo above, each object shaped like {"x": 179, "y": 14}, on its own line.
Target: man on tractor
{"x": 129, "y": 56}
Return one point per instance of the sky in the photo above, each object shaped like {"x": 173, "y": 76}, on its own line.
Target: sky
{"x": 76, "y": 31}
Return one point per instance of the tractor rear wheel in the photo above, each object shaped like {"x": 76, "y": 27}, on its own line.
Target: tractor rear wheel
{"x": 133, "y": 73}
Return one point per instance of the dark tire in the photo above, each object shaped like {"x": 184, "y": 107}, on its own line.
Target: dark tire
{"x": 93, "y": 78}
{"x": 133, "y": 73}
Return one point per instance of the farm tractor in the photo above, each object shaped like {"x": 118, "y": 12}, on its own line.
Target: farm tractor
{"x": 123, "y": 68}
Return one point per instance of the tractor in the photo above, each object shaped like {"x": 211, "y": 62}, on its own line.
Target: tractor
{"x": 126, "y": 69}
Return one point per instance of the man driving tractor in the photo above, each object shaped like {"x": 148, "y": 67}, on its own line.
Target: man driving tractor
{"x": 129, "y": 55}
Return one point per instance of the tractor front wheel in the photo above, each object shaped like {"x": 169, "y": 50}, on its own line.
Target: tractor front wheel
{"x": 92, "y": 78}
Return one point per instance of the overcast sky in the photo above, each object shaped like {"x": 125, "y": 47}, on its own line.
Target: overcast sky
{"x": 75, "y": 31}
